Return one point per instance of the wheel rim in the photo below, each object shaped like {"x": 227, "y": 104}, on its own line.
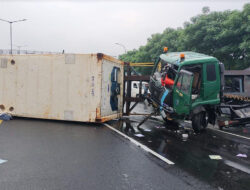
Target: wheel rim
{"x": 204, "y": 119}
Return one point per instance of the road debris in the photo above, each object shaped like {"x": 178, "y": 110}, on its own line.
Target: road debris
{"x": 5, "y": 116}
{"x": 242, "y": 155}
{"x": 184, "y": 137}
{"x": 139, "y": 135}
{"x": 215, "y": 157}
{"x": 3, "y": 161}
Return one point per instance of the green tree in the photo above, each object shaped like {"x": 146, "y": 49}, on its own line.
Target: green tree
{"x": 205, "y": 10}
{"x": 224, "y": 35}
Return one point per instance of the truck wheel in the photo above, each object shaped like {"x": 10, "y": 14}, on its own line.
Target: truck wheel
{"x": 200, "y": 121}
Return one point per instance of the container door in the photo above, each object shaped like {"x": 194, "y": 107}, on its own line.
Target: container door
{"x": 115, "y": 89}
{"x": 182, "y": 92}
{"x": 112, "y": 77}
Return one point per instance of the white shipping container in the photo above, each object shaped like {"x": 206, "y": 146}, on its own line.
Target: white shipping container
{"x": 74, "y": 87}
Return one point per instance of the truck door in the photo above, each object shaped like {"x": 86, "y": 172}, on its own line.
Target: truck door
{"x": 182, "y": 92}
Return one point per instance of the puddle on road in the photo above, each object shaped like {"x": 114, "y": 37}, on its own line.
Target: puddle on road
{"x": 190, "y": 151}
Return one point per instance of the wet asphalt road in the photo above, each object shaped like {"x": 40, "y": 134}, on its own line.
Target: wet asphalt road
{"x": 191, "y": 155}
{"x": 64, "y": 155}
{"x": 46, "y": 154}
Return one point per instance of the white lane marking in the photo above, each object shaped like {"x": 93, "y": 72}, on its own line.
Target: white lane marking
{"x": 3, "y": 161}
{"x": 229, "y": 133}
{"x": 140, "y": 145}
{"x": 237, "y": 166}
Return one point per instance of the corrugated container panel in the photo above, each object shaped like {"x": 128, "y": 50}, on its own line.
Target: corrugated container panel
{"x": 73, "y": 87}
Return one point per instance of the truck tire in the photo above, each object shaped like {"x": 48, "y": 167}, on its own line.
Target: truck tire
{"x": 200, "y": 121}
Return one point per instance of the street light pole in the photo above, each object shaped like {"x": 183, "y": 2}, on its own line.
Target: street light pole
{"x": 11, "y": 38}
{"x": 123, "y": 46}
{"x": 11, "y": 22}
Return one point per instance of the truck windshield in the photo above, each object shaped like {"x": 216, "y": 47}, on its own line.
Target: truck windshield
{"x": 159, "y": 66}
{"x": 184, "y": 83}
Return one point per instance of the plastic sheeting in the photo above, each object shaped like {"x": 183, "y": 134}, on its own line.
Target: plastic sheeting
{"x": 5, "y": 116}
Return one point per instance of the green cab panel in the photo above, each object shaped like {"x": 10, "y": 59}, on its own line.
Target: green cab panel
{"x": 182, "y": 92}
{"x": 211, "y": 84}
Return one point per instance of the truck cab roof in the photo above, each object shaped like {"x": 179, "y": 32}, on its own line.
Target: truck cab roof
{"x": 190, "y": 58}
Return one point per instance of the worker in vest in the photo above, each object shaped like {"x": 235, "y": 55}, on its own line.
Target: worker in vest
{"x": 165, "y": 80}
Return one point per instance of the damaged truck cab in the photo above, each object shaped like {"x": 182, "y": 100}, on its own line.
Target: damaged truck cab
{"x": 196, "y": 89}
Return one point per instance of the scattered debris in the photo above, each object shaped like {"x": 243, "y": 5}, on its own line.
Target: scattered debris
{"x": 139, "y": 135}
{"x": 5, "y": 116}
{"x": 242, "y": 155}
{"x": 184, "y": 137}
{"x": 3, "y": 161}
{"x": 160, "y": 127}
{"x": 178, "y": 132}
{"x": 215, "y": 157}
{"x": 125, "y": 175}
{"x": 245, "y": 131}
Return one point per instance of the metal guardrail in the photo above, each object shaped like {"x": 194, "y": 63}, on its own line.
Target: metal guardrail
{"x": 21, "y": 52}
{"x": 142, "y": 64}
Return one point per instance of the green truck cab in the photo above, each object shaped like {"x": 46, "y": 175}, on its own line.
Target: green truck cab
{"x": 197, "y": 88}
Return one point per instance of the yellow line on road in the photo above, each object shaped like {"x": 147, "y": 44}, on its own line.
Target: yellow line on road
{"x": 1, "y": 121}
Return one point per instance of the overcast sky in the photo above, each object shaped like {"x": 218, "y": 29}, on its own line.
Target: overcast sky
{"x": 95, "y": 26}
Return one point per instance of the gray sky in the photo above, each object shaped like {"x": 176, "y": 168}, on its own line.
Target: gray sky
{"x": 95, "y": 26}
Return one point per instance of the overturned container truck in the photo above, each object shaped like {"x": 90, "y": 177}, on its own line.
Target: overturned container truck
{"x": 74, "y": 87}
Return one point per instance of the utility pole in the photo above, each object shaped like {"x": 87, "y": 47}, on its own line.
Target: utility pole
{"x": 11, "y": 22}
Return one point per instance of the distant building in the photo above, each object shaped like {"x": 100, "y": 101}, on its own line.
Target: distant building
{"x": 238, "y": 81}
